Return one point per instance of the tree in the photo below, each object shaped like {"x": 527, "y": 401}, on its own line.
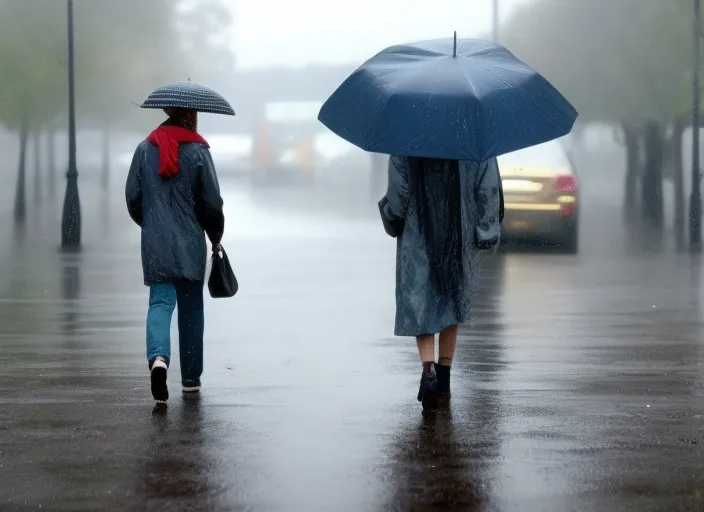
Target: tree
{"x": 123, "y": 50}
{"x": 126, "y": 56}
{"x": 626, "y": 63}
{"x": 204, "y": 28}
{"x": 130, "y": 55}
{"x": 30, "y": 87}
{"x": 616, "y": 61}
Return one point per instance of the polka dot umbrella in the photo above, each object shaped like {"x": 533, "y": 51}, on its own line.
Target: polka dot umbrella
{"x": 190, "y": 95}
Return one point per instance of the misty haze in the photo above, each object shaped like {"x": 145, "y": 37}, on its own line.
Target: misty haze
{"x": 577, "y": 377}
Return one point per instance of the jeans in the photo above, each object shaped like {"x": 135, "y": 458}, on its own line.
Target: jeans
{"x": 163, "y": 298}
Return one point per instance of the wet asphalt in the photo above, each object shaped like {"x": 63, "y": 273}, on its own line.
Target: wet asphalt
{"x": 578, "y": 387}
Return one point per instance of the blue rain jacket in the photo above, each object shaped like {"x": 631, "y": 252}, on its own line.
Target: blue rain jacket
{"x": 175, "y": 213}
{"x": 442, "y": 213}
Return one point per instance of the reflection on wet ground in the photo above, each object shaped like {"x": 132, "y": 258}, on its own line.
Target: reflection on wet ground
{"x": 577, "y": 387}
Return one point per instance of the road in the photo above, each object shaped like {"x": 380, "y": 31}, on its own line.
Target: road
{"x": 577, "y": 387}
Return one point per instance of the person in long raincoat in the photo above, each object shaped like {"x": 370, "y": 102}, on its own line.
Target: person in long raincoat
{"x": 173, "y": 194}
{"x": 442, "y": 212}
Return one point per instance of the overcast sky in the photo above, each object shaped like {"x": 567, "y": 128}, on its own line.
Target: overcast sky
{"x": 300, "y": 32}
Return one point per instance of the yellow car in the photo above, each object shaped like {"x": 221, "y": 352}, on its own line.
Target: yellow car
{"x": 541, "y": 196}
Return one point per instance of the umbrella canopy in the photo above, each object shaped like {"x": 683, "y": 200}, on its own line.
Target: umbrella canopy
{"x": 188, "y": 95}
{"x": 463, "y": 99}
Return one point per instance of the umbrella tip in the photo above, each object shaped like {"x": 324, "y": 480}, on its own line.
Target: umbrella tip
{"x": 454, "y": 46}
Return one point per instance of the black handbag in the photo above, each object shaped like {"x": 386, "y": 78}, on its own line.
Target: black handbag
{"x": 392, "y": 226}
{"x": 222, "y": 282}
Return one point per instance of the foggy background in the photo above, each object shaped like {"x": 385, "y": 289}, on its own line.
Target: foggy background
{"x": 626, "y": 65}
{"x": 578, "y": 384}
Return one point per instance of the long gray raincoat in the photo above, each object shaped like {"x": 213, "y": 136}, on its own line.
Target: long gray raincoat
{"x": 442, "y": 213}
{"x": 175, "y": 213}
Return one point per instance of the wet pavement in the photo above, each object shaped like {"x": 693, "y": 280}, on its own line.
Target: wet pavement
{"x": 578, "y": 386}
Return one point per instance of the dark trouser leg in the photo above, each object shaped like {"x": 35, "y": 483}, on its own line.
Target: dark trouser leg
{"x": 190, "y": 331}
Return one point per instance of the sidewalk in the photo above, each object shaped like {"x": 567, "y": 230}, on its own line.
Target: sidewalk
{"x": 576, "y": 387}
{"x": 53, "y": 304}
{"x": 38, "y": 241}
{"x": 76, "y": 430}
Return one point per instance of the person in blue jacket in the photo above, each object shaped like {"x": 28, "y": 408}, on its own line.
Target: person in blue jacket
{"x": 173, "y": 195}
{"x": 442, "y": 213}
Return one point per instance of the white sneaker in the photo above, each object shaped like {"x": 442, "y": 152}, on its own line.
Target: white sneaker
{"x": 191, "y": 389}
{"x": 160, "y": 391}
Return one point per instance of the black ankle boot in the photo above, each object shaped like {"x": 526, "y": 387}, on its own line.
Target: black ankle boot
{"x": 427, "y": 394}
{"x": 443, "y": 373}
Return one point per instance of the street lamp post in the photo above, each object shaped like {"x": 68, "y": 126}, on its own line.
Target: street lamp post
{"x": 495, "y": 22}
{"x": 695, "y": 203}
{"x": 71, "y": 221}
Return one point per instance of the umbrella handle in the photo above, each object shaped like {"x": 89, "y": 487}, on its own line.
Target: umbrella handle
{"x": 454, "y": 46}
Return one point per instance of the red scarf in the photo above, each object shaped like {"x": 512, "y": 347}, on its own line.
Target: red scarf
{"x": 167, "y": 139}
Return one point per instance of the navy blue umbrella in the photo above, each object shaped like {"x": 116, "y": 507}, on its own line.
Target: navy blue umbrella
{"x": 463, "y": 99}
{"x": 188, "y": 95}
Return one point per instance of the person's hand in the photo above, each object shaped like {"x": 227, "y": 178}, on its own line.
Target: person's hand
{"x": 217, "y": 248}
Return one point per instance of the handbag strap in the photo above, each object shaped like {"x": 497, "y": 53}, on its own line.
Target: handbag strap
{"x": 223, "y": 256}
